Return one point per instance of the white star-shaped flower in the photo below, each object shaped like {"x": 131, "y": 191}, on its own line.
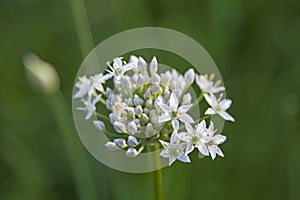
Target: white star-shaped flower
{"x": 90, "y": 106}
{"x": 174, "y": 150}
{"x": 207, "y": 85}
{"x": 215, "y": 140}
{"x": 174, "y": 113}
{"x": 218, "y": 106}
{"x": 84, "y": 86}
{"x": 195, "y": 137}
{"x": 119, "y": 68}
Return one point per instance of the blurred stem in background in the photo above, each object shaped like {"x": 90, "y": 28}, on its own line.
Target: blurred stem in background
{"x": 44, "y": 78}
{"x": 82, "y": 26}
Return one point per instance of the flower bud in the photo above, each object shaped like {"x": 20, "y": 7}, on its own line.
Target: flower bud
{"x": 166, "y": 78}
{"x": 119, "y": 127}
{"x": 99, "y": 125}
{"x": 120, "y": 142}
{"x": 112, "y": 118}
{"x": 108, "y": 92}
{"x": 145, "y": 118}
{"x": 111, "y": 146}
{"x": 153, "y": 66}
{"x": 150, "y": 130}
{"x": 131, "y": 152}
{"x": 156, "y": 89}
{"x": 149, "y": 103}
{"x": 131, "y": 112}
{"x": 132, "y": 141}
{"x": 125, "y": 83}
{"x": 131, "y": 127}
{"x": 142, "y": 65}
{"x": 189, "y": 76}
{"x": 146, "y": 111}
{"x": 147, "y": 93}
{"x": 137, "y": 100}
{"x": 41, "y": 75}
{"x": 187, "y": 99}
{"x": 138, "y": 110}
{"x": 155, "y": 78}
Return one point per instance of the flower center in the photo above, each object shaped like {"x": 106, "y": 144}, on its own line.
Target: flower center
{"x": 119, "y": 71}
{"x": 175, "y": 114}
{"x": 195, "y": 139}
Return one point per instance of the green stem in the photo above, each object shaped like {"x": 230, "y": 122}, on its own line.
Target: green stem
{"x": 197, "y": 102}
{"x": 158, "y": 179}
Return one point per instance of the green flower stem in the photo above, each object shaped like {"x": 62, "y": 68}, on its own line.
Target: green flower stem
{"x": 103, "y": 117}
{"x": 78, "y": 162}
{"x": 158, "y": 179}
{"x": 197, "y": 102}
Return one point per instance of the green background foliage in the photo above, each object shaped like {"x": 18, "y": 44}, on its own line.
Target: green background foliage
{"x": 256, "y": 46}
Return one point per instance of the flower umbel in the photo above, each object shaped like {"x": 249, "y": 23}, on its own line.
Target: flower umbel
{"x": 146, "y": 108}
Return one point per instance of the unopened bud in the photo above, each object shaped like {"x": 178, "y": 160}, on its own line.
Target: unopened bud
{"x": 41, "y": 75}
{"x": 153, "y": 66}
{"x": 120, "y": 142}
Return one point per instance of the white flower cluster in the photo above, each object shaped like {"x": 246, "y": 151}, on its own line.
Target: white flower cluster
{"x": 146, "y": 107}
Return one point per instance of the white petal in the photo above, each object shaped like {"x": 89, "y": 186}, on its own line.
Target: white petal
{"x": 202, "y": 148}
{"x": 210, "y": 111}
{"x": 201, "y": 127}
{"x": 173, "y": 102}
{"x": 175, "y": 125}
{"x": 171, "y": 160}
{"x": 185, "y": 136}
{"x": 185, "y": 108}
{"x": 219, "y": 139}
{"x": 165, "y": 153}
{"x": 225, "y": 104}
{"x": 211, "y": 100}
{"x": 164, "y": 143}
{"x": 189, "y": 148}
{"x": 219, "y": 152}
{"x": 164, "y": 107}
{"x": 189, "y": 128}
{"x": 164, "y": 118}
{"x": 226, "y": 116}
{"x": 184, "y": 158}
{"x": 185, "y": 118}
{"x": 217, "y": 89}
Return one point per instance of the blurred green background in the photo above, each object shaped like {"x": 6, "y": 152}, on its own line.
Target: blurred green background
{"x": 256, "y": 46}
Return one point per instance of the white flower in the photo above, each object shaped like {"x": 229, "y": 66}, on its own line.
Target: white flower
{"x": 172, "y": 112}
{"x": 90, "y": 106}
{"x": 111, "y": 146}
{"x": 84, "y": 86}
{"x": 218, "y": 106}
{"x": 216, "y": 139}
{"x": 119, "y": 69}
{"x": 99, "y": 124}
{"x": 174, "y": 150}
{"x": 189, "y": 76}
{"x": 207, "y": 85}
{"x": 195, "y": 138}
